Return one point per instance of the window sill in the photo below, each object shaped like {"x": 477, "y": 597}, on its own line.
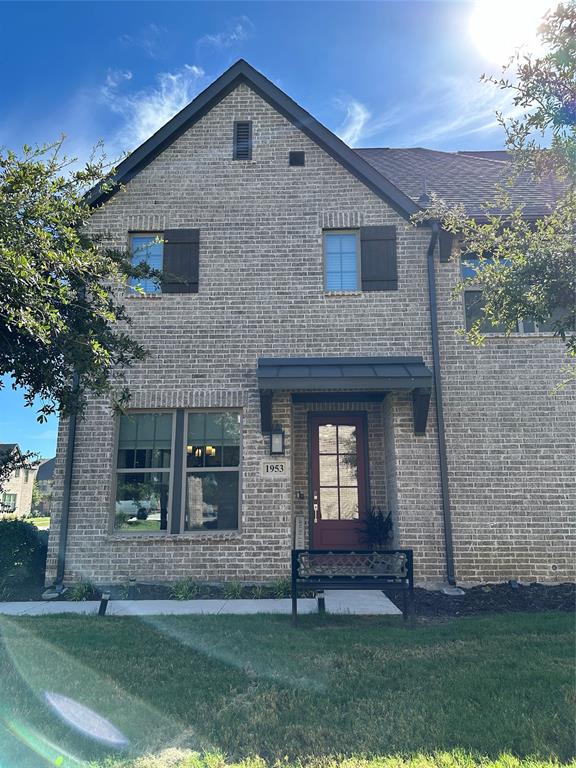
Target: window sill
{"x": 343, "y": 293}
{"x": 143, "y": 296}
{"x": 521, "y": 336}
{"x": 164, "y": 536}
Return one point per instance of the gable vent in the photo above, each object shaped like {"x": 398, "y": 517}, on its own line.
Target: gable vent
{"x": 242, "y": 141}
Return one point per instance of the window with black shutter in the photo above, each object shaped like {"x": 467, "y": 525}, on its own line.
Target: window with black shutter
{"x": 379, "y": 261}
{"x": 242, "y": 141}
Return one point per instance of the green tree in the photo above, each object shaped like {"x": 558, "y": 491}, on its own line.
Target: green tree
{"x": 527, "y": 269}
{"x": 63, "y": 328}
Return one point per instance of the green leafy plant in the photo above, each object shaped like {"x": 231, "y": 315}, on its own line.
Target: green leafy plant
{"x": 185, "y": 589}
{"x": 81, "y": 591}
{"x": 281, "y": 588}
{"x": 233, "y": 590}
{"x": 258, "y": 592}
{"x": 22, "y": 553}
{"x": 375, "y": 529}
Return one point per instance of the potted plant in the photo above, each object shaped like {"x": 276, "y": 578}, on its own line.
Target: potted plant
{"x": 375, "y": 529}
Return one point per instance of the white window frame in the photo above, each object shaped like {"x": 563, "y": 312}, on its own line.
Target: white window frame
{"x": 336, "y": 231}
{"x": 158, "y": 235}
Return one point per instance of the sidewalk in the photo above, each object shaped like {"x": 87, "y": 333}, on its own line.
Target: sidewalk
{"x": 358, "y": 602}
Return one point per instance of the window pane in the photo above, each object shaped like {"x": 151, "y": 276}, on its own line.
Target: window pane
{"x": 231, "y": 428}
{"x": 142, "y": 501}
{"x": 213, "y": 428}
{"x": 348, "y": 469}
{"x": 348, "y": 503}
{"x": 341, "y": 261}
{"x": 473, "y": 306}
{"x": 328, "y": 470}
{"x": 212, "y": 501}
{"x": 196, "y": 427}
{"x": 145, "y": 440}
{"x": 329, "y": 503}
{"x": 147, "y": 249}
{"x": 327, "y": 438}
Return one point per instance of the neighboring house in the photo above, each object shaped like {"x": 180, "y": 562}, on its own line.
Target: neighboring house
{"x": 44, "y": 486}
{"x": 16, "y": 494}
{"x": 298, "y": 353}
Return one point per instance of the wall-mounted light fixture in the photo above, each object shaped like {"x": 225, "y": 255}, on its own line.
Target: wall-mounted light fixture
{"x": 277, "y": 441}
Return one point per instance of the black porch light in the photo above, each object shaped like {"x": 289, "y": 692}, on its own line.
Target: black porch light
{"x": 277, "y": 441}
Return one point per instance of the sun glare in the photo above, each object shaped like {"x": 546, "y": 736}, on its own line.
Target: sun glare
{"x": 499, "y": 27}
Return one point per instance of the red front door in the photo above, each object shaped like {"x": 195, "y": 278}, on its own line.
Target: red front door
{"x": 338, "y": 476}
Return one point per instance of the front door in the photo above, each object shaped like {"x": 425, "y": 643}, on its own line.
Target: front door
{"x": 338, "y": 477}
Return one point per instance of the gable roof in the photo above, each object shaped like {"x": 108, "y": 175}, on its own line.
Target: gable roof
{"x": 242, "y": 72}
{"x": 469, "y": 178}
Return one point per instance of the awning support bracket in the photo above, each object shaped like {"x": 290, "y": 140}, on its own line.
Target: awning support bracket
{"x": 420, "y": 408}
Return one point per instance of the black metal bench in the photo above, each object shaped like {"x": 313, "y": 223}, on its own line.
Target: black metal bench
{"x": 384, "y": 570}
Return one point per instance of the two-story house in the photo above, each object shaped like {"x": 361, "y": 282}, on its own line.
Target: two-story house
{"x": 305, "y": 366}
{"x": 16, "y": 495}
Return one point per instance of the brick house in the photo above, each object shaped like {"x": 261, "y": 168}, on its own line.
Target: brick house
{"x": 16, "y": 495}
{"x": 305, "y": 366}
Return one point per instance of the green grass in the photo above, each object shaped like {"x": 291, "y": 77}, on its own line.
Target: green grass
{"x": 40, "y": 522}
{"x": 475, "y": 688}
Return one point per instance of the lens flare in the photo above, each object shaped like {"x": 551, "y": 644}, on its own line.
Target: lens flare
{"x": 85, "y": 720}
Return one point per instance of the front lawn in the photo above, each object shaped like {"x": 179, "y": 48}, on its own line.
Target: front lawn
{"x": 253, "y": 685}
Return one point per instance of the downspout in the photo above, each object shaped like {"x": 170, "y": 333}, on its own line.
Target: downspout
{"x": 446, "y": 510}
{"x": 63, "y": 537}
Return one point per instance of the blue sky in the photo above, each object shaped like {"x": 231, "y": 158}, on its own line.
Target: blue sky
{"x": 377, "y": 73}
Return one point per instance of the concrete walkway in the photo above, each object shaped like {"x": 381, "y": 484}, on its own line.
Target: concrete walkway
{"x": 359, "y": 602}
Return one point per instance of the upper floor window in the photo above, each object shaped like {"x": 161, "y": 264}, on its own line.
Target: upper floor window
{"x": 147, "y": 249}
{"x": 342, "y": 261}
{"x": 474, "y": 304}
{"x": 242, "y": 141}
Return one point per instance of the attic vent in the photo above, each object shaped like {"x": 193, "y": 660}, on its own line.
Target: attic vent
{"x": 296, "y": 158}
{"x": 242, "y": 141}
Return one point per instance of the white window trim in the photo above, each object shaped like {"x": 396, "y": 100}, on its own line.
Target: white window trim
{"x": 332, "y": 292}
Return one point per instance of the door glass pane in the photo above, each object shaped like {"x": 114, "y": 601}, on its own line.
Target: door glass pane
{"x": 348, "y": 503}
{"x": 328, "y": 471}
{"x": 329, "y": 503}
{"x": 348, "y": 469}
{"x": 327, "y": 438}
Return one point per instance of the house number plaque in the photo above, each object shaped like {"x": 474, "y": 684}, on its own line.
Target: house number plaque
{"x": 272, "y": 468}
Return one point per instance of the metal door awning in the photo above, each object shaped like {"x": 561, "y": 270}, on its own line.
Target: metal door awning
{"x": 345, "y": 374}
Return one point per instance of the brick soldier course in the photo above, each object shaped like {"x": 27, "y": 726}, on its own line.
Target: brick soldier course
{"x": 261, "y": 294}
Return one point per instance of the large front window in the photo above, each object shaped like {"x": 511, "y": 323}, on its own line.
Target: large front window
{"x": 191, "y": 485}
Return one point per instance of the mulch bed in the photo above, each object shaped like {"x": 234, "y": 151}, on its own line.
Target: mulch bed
{"x": 496, "y": 598}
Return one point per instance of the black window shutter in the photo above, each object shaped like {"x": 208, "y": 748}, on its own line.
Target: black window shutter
{"x": 242, "y": 141}
{"x": 379, "y": 269}
{"x": 181, "y": 260}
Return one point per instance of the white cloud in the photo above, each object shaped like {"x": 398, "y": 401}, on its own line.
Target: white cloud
{"x": 237, "y": 30}
{"x": 353, "y": 128}
{"x": 446, "y": 112}
{"x": 148, "y": 38}
{"x": 146, "y": 110}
